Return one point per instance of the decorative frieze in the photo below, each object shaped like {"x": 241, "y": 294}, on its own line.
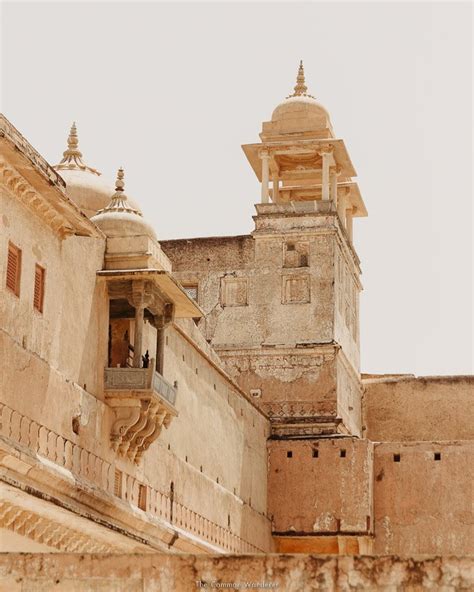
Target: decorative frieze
{"x": 46, "y": 531}
{"x": 301, "y": 418}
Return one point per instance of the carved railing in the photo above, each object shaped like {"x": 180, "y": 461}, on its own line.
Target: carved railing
{"x": 96, "y": 470}
{"x": 160, "y": 385}
{"x": 139, "y": 379}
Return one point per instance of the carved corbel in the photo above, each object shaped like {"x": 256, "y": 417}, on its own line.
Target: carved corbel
{"x": 127, "y": 414}
{"x": 159, "y": 421}
{"x": 135, "y": 428}
{"x": 141, "y": 294}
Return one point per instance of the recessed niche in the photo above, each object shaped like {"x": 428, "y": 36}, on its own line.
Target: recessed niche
{"x": 396, "y": 458}
{"x": 342, "y": 453}
{"x": 289, "y": 454}
{"x": 437, "y": 455}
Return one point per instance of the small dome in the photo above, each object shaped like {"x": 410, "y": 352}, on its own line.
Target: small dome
{"x": 84, "y": 184}
{"x": 301, "y": 106}
{"x": 296, "y": 107}
{"x": 120, "y": 218}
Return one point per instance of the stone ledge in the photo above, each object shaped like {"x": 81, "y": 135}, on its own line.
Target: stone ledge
{"x": 183, "y": 573}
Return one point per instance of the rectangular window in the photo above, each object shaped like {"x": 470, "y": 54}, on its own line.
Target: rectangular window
{"x": 142, "y": 490}
{"x": 39, "y": 288}
{"x": 14, "y": 269}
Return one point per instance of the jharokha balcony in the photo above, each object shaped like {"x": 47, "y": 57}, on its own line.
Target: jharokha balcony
{"x": 142, "y": 304}
{"x": 143, "y": 402}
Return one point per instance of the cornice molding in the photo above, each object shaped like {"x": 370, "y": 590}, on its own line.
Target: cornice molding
{"x": 20, "y": 188}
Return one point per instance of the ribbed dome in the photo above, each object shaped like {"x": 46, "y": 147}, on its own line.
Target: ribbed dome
{"x": 120, "y": 218}
{"x": 84, "y": 184}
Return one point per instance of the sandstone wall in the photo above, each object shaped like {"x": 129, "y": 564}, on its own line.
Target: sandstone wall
{"x": 320, "y": 486}
{"x": 425, "y": 408}
{"x": 423, "y": 498}
{"x": 185, "y": 573}
{"x": 213, "y": 453}
{"x": 71, "y": 333}
{"x": 279, "y": 306}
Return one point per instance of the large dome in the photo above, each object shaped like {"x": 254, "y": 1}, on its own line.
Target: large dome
{"x": 120, "y": 218}
{"x": 84, "y": 184}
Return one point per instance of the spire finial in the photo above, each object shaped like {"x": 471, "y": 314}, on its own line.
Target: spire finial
{"x": 120, "y": 183}
{"x": 72, "y": 156}
{"x": 301, "y": 90}
{"x": 119, "y": 202}
{"x": 73, "y": 141}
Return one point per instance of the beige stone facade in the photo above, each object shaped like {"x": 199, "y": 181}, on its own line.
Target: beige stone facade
{"x": 205, "y": 395}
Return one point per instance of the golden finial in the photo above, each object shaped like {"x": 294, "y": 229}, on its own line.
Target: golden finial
{"x": 72, "y": 156}
{"x": 301, "y": 90}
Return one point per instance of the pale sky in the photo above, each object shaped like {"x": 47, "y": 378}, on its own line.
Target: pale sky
{"x": 170, "y": 91}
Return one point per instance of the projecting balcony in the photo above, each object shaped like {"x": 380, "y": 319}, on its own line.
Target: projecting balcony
{"x": 143, "y": 402}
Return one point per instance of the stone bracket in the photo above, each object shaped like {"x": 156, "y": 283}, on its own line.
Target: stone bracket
{"x": 142, "y": 402}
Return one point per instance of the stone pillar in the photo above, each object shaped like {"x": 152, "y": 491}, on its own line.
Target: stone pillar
{"x": 265, "y": 175}
{"x": 160, "y": 346}
{"x": 326, "y": 154}
{"x": 140, "y": 298}
{"x": 341, "y": 207}
{"x": 334, "y": 185}
{"x": 349, "y": 213}
{"x": 276, "y": 188}
{"x": 138, "y": 338}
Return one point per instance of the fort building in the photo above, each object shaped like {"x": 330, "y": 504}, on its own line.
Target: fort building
{"x": 205, "y": 395}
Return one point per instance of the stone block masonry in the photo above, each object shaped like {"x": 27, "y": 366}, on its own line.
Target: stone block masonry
{"x": 185, "y": 573}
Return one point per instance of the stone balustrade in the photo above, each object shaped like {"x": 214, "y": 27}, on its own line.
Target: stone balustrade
{"x": 95, "y": 470}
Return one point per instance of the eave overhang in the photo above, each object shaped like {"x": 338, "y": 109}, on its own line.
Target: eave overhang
{"x": 170, "y": 289}
{"x": 27, "y": 175}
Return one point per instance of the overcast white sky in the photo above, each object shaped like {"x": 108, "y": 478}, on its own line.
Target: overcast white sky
{"x": 171, "y": 90}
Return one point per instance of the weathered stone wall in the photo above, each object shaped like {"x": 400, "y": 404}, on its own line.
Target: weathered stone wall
{"x": 320, "y": 486}
{"x": 347, "y": 289}
{"x": 214, "y": 450}
{"x": 72, "y": 330}
{"x": 209, "y": 467}
{"x": 276, "y": 303}
{"x": 185, "y": 573}
{"x": 426, "y": 408}
{"x": 421, "y": 504}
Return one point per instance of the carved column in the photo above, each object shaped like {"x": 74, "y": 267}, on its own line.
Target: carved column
{"x": 161, "y": 323}
{"x": 327, "y": 157}
{"x": 265, "y": 175}
{"x": 138, "y": 338}
{"x": 341, "y": 207}
{"x": 141, "y": 297}
{"x": 276, "y": 188}
{"x": 334, "y": 174}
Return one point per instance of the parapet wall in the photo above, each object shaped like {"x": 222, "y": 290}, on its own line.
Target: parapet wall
{"x": 427, "y": 408}
{"x": 185, "y": 573}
